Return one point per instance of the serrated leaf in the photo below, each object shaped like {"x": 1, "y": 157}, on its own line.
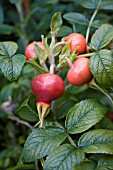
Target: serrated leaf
{"x": 105, "y": 162}
{"x": 97, "y": 141}
{"x": 102, "y": 37}
{"x": 92, "y": 4}
{"x": 88, "y": 165}
{"x": 84, "y": 115}
{"x": 41, "y": 142}
{"x": 56, "y": 22}
{"x": 78, "y": 18}
{"x": 27, "y": 110}
{"x": 8, "y": 48}
{"x": 11, "y": 66}
{"x": 64, "y": 157}
{"x": 101, "y": 65}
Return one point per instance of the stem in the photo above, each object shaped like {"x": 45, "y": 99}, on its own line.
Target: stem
{"x": 52, "y": 41}
{"x": 52, "y": 69}
{"x": 74, "y": 28}
{"x": 44, "y": 66}
{"x": 71, "y": 140}
{"x": 36, "y": 165}
{"x": 69, "y": 62}
{"x": 91, "y": 20}
{"x": 20, "y": 13}
{"x": 85, "y": 55}
{"x": 95, "y": 86}
{"x": 34, "y": 63}
{"x": 69, "y": 137}
{"x": 12, "y": 117}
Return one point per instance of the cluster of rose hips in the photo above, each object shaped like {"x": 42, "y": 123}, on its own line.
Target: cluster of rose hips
{"x": 49, "y": 87}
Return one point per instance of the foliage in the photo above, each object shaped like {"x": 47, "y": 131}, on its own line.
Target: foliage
{"x": 77, "y": 133}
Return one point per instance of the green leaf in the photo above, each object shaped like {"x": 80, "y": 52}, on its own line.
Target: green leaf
{"x": 40, "y": 54}
{"x": 84, "y": 115}
{"x": 27, "y": 110}
{"x": 101, "y": 65}
{"x": 78, "y": 18}
{"x": 12, "y": 66}
{"x": 41, "y": 142}
{"x": 64, "y": 31}
{"x": 8, "y": 48}
{"x": 102, "y": 37}
{"x": 64, "y": 109}
{"x": 1, "y": 15}
{"x": 64, "y": 157}
{"x": 92, "y": 4}
{"x": 56, "y": 22}
{"x": 88, "y": 165}
{"x": 105, "y": 162}
{"x": 97, "y": 141}
{"x": 6, "y": 29}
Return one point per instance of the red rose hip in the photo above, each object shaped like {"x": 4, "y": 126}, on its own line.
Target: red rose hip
{"x": 77, "y": 41}
{"x": 79, "y": 73}
{"x": 47, "y": 87}
{"x": 30, "y": 52}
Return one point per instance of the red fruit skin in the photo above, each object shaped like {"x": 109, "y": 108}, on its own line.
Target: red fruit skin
{"x": 47, "y": 87}
{"x": 77, "y": 40}
{"x": 79, "y": 73}
{"x": 29, "y": 51}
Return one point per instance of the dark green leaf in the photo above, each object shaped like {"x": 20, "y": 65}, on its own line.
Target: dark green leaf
{"x": 106, "y": 161}
{"x": 63, "y": 110}
{"x": 78, "y": 18}
{"x": 6, "y": 29}
{"x": 88, "y": 165}
{"x": 97, "y": 141}
{"x": 1, "y": 15}
{"x": 12, "y": 66}
{"x": 41, "y": 142}
{"x": 92, "y": 4}
{"x": 64, "y": 31}
{"x": 101, "y": 65}
{"x": 56, "y": 22}
{"x": 8, "y": 48}
{"x": 84, "y": 115}
{"x": 27, "y": 110}
{"x": 64, "y": 157}
{"x": 102, "y": 37}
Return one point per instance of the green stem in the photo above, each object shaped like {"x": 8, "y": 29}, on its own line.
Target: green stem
{"x": 85, "y": 55}
{"x": 71, "y": 141}
{"x": 36, "y": 165}
{"x": 90, "y": 23}
{"x": 69, "y": 137}
{"x": 23, "y": 32}
{"x": 95, "y": 86}
{"x": 34, "y": 63}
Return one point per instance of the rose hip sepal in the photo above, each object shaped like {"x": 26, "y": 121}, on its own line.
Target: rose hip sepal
{"x": 77, "y": 41}
{"x": 30, "y": 52}
{"x": 47, "y": 87}
{"x": 79, "y": 73}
